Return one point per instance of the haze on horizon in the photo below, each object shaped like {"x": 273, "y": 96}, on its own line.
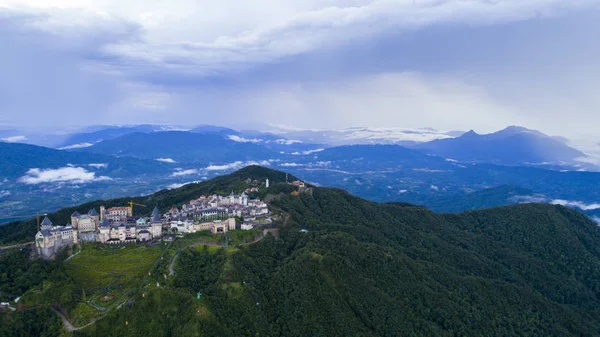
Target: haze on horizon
{"x": 446, "y": 64}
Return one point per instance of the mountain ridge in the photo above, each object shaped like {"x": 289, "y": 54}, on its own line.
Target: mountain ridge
{"x": 511, "y": 146}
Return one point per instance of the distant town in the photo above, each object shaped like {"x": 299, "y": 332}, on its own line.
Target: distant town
{"x": 118, "y": 225}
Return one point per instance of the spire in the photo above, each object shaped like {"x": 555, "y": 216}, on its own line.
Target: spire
{"x": 155, "y": 215}
{"x": 93, "y": 212}
{"x": 46, "y": 222}
{"x": 75, "y": 215}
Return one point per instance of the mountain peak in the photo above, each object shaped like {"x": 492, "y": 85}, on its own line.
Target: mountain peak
{"x": 513, "y": 130}
{"x": 516, "y": 128}
{"x": 471, "y": 133}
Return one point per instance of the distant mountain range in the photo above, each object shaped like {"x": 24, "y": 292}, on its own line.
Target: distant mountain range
{"x": 18, "y": 159}
{"x": 511, "y": 146}
{"x": 186, "y": 147}
{"x": 86, "y": 139}
{"x": 117, "y": 161}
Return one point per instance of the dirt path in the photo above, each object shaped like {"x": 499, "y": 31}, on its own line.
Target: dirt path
{"x": 70, "y": 327}
{"x": 17, "y": 245}
{"x": 172, "y": 264}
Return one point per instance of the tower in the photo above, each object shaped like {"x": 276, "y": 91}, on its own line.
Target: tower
{"x": 75, "y": 219}
{"x": 155, "y": 215}
{"x": 46, "y": 224}
{"x": 156, "y": 224}
{"x": 95, "y": 218}
{"x": 267, "y": 183}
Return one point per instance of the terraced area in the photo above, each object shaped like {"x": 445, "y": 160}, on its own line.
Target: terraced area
{"x": 110, "y": 274}
{"x": 98, "y": 268}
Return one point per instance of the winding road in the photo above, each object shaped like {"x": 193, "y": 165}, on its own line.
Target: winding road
{"x": 70, "y": 327}
{"x": 17, "y": 245}
{"x": 273, "y": 231}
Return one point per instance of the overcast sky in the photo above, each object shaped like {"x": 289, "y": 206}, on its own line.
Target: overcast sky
{"x": 447, "y": 64}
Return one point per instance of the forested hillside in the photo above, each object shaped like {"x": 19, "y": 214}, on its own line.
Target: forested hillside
{"x": 383, "y": 270}
{"x": 344, "y": 266}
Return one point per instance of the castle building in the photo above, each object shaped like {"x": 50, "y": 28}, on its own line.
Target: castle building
{"x": 96, "y": 227}
{"x": 222, "y": 226}
{"x": 116, "y": 214}
{"x": 51, "y": 239}
{"x": 155, "y": 224}
{"x": 234, "y": 199}
{"x": 85, "y": 226}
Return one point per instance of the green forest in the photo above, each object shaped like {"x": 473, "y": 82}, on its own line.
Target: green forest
{"x": 344, "y": 266}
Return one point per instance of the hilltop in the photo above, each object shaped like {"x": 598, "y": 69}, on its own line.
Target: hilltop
{"x": 23, "y": 231}
{"x": 345, "y": 266}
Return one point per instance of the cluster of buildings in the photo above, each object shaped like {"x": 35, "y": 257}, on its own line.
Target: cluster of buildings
{"x": 110, "y": 226}
{"x": 218, "y": 214}
{"x": 117, "y": 225}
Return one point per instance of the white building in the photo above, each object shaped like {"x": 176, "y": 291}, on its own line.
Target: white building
{"x": 50, "y": 239}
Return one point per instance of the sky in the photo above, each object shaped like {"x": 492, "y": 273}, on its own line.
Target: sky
{"x": 446, "y": 64}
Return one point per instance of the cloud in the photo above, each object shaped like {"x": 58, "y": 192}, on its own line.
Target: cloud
{"x": 287, "y": 141}
{"x": 567, "y": 203}
{"x": 290, "y": 63}
{"x": 224, "y": 167}
{"x": 414, "y": 99}
{"x": 236, "y": 165}
{"x": 290, "y": 164}
{"x": 243, "y": 140}
{"x": 539, "y": 199}
{"x": 596, "y": 219}
{"x": 178, "y": 185}
{"x": 180, "y": 173}
{"x": 4, "y": 194}
{"x": 76, "y": 146}
{"x": 576, "y": 204}
{"x": 166, "y": 160}
{"x": 312, "y": 151}
{"x": 428, "y": 170}
{"x": 99, "y": 165}
{"x": 199, "y": 38}
{"x": 74, "y": 175}
{"x": 307, "y": 152}
{"x": 14, "y": 139}
{"x": 384, "y": 135}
